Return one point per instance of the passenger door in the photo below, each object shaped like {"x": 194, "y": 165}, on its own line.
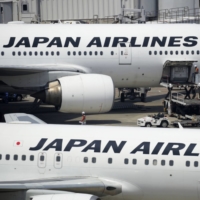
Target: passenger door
{"x": 125, "y": 56}
{"x": 42, "y": 160}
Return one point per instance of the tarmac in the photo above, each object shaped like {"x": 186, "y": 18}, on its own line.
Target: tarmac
{"x": 123, "y": 113}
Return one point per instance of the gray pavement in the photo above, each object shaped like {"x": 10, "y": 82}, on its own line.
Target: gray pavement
{"x": 122, "y": 114}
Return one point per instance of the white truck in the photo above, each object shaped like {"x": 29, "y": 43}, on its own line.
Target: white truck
{"x": 158, "y": 120}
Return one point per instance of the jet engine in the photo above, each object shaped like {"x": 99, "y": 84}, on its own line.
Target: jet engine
{"x": 73, "y": 196}
{"x": 92, "y": 93}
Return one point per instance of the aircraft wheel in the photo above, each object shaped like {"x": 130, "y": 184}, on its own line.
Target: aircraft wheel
{"x": 143, "y": 97}
{"x": 122, "y": 97}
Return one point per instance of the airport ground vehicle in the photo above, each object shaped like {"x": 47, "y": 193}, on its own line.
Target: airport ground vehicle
{"x": 158, "y": 120}
{"x": 11, "y": 97}
{"x": 186, "y": 123}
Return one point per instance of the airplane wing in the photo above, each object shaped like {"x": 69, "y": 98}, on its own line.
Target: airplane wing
{"x": 10, "y": 70}
{"x": 21, "y": 118}
{"x": 89, "y": 185}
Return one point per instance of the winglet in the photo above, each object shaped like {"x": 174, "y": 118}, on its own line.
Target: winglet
{"x": 180, "y": 126}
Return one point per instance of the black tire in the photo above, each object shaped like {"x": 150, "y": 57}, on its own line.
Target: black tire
{"x": 143, "y": 97}
{"x": 122, "y": 97}
{"x": 5, "y": 100}
{"x": 148, "y": 125}
{"x": 57, "y": 108}
{"x": 19, "y": 97}
{"x": 164, "y": 124}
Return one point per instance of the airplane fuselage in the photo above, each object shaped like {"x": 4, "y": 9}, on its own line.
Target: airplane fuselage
{"x": 133, "y": 55}
{"x": 148, "y": 165}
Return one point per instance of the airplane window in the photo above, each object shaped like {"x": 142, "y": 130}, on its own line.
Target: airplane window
{"x": 41, "y": 53}
{"x": 126, "y": 161}
{"x": 160, "y": 52}
{"x": 187, "y": 163}
{"x": 7, "y": 157}
{"x": 192, "y": 52}
{"x": 155, "y": 52}
{"x": 15, "y": 157}
{"x": 52, "y": 53}
{"x": 24, "y": 53}
{"x": 0, "y": 156}
{"x": 197, "y": 52}
{"x": 74, "y": 53}
{"x": 69, "y": 53}
{"x": 162, "y": 162}
{"x": 154, "y": 162}
{"x": 79, "y": 53}
{"x": 35, "y": 53}
{"x": 2, "y": 53}
{"x": 146, "y": 161}
{"x": 149, "y": 52}
{"x": 30, "y": 53}
{"x": 47, "y": 53}
{"x": 101, "y": 53}
{"x": 90, "y": 53}
{"x": 176, "y": 52}
{"x": 58, "y": 158}
{"x": 187, "y": 52}
{"x": 166, "y": 52}
{"x": 134, "y": 161}
{"x": 85, "y": 53}
{"x": 182, "y": 52}
{"x": 58, "y": 53}
{"x": 41, "y": 158}
{"x": 196, "y": 164}
{"x": 110, "y": 160}
{"x": 23, "y": 157}
{"x": 19, "y": 53}
{"x": 171, "y": 52}
{"x": 112, "y": 53}
{"x": 171, "y": 162}
{"x": 13, "y": 53}
{"x": 96, "y": 53}
{"x": 93, "y": 160}
{"x": 31, "y": 158}
{"x": 85, "y": 159}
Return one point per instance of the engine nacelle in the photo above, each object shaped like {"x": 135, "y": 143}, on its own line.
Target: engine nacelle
{"x": 72, "y": 196}
{"x": 92, "y": 93}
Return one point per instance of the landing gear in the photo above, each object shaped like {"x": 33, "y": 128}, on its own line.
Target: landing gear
{"x": 133, "y": 93}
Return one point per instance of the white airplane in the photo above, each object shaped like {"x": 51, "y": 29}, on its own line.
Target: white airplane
{"x": 59, "y": 162}
{"x": 76, "y": 67}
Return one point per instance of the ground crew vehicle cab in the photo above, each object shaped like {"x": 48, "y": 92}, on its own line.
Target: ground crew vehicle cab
{"x": 158, "y": 120}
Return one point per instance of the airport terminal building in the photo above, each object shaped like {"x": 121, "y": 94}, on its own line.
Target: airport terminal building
{"x": 91, "y": 11}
